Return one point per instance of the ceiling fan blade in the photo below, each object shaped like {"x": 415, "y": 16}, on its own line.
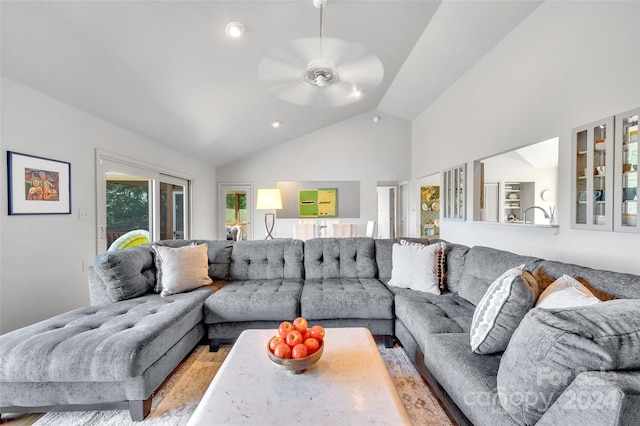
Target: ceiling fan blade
{"x": 333, "y": 49}
{"x": 271, "y": 69}
{"x": 296, "y": 93}
{"x": 307, "y": 49}
{"x": 367, "y": 70}
{"x": 336, "y": 95}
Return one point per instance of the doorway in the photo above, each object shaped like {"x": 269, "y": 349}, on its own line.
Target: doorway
{"x": 235, "y": 203}
{"x": 387, "y": 211}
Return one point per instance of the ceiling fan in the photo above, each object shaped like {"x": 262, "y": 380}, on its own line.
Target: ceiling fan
{"x": 321, "y": 71}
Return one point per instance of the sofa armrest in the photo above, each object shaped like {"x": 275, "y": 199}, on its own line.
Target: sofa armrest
{"x": 97, "y": 289}
{"x": 598, "y": 398}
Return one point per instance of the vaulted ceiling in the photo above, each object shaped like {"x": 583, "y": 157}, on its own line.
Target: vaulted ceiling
{"x": 166, "y": 70}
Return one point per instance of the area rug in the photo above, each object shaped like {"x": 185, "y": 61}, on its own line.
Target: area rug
{"x": 177, "y": 398}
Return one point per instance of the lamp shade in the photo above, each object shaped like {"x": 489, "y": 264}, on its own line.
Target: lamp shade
{"x": 269, "y": 199}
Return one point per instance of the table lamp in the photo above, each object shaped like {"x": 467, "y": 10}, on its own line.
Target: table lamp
{"x": 269, "y": 199}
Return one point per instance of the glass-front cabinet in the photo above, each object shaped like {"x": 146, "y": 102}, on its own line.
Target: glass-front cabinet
{"x": 454, "y": 194}
{"x": 592, "y": 168}
{"x": 626, "y": 172}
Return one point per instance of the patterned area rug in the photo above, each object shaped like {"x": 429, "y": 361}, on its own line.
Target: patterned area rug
{"x": 178, "y": 397}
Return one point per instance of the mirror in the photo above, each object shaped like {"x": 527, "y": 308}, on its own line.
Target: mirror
{"x": 518, "y": 186}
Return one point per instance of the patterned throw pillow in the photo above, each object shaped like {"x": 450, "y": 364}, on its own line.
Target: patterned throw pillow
{"x": 418, "y": 266}
{"x": 181, "y": 269}
{"x": 566, "y": 292}
{"x": 501, "y": 309}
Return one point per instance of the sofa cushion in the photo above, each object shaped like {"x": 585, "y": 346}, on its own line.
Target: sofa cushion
{"x": 218, "y": 255}
{"x": 565, "y": 292}
{"x": 251, "y": 300}
{"x": 362, "y": 298}
{"x": 118, "y": 341}
{"x": 267, "y": 260}
{"x": 424, "y": 313}
{"x": 468, "y": 378}
{"x": 501, "y": 309}
{"x": 340, "y": 258}
{"x": 126, "y": 273}
{"x": 181, "y": 269}
{"x": 551, "y": 347}
{"x": 455, "y": 255}
{"x": 605, "y": 285}
{"x": 482, "y": 265}
{"x": 418, "y": 267}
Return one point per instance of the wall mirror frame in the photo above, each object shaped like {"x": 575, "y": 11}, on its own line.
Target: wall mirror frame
{"x": 518, "y": 187}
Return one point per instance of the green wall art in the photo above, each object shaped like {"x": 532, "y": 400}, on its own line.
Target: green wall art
{"x": 318, "y": 202}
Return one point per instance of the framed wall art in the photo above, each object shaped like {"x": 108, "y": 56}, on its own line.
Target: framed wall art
{"x": 38, "y": 185}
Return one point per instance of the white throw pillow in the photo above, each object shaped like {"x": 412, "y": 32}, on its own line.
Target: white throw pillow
{"x": 417, "y": 266}
{"x": 566, "y": 292}
{"x": 501, "y": 309}
{"x": 181, "y": 269}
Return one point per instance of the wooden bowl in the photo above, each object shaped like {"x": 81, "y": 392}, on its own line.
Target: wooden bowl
{"x": 299, "y": 365}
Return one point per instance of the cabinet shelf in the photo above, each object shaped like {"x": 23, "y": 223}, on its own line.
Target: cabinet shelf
{"x": 592, "y": 147}
{"x": 625, "y": 177}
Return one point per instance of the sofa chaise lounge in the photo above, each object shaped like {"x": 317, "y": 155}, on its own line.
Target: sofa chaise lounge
{"x": 72, "y": 361}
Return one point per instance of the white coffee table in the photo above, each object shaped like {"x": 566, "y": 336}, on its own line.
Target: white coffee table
{"x": 349, "y": 385}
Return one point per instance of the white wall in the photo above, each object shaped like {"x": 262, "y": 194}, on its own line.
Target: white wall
{"x": 567, "y": 64}
{"x": 356, "y": 149}
{"x": 41, "y": 265}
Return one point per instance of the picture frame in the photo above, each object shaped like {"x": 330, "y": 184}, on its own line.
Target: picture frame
{"x": 38, "y": 185}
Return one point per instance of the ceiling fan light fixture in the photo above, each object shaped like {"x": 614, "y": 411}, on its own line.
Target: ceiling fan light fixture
{"x": 320, "y": 73}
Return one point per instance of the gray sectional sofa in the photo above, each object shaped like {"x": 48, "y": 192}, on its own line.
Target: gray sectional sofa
{"x": 115, "y": 353}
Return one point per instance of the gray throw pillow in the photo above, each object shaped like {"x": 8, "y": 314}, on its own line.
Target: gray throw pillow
{"x": 501, "y": 309}
{"x": 181, "y": 269}
{"x": 552, "y": 346}
{"x": 126, "y": 273}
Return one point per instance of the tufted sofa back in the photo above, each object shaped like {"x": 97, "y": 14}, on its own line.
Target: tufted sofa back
{"x": 126, "y": 274}
{"x": 267, "y": 259}
{"x": 603, "y": 284}
{"x": 340, "y": 258}
{"x": 482, "y": 265}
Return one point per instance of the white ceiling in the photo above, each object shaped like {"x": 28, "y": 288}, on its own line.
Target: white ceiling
{"x": 165, "y": 69}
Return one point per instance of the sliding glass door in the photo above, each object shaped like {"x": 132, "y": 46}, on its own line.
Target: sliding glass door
{"x": 137, "y": 200}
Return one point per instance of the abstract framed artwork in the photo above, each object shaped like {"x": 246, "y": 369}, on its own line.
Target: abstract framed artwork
{"x": 318, "y": 202}
{"x": 38, "y": 185}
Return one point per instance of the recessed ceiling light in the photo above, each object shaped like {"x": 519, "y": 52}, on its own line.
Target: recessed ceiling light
{"x": 234, "y": 29}
{"x": 376, "y": 118}
{"x": 276, "y": 124}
